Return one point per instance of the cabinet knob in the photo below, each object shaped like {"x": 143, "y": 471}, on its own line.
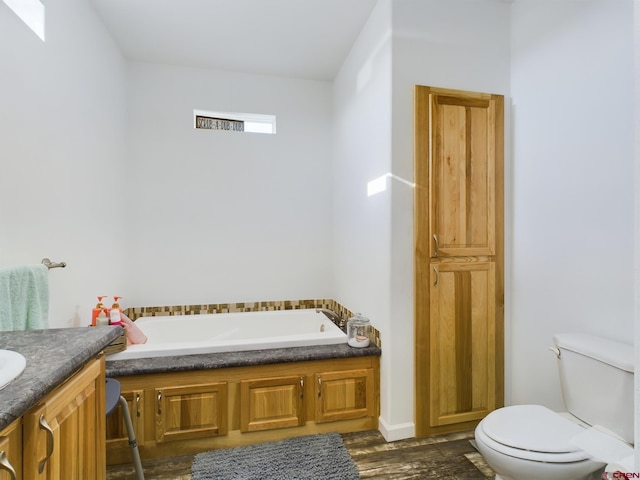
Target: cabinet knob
{"x": 435, "y": 240}
{"x": 435, "y": 269}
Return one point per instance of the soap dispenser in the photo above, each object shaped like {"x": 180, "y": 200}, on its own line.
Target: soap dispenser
{"x": 102, "y": 319}
{"x": 358, "y": 331}
{"x": 96, "y": 311}
{"x": 114, "y": 313}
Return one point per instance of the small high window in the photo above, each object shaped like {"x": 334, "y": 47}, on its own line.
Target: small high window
{"x": 234, "y": 122}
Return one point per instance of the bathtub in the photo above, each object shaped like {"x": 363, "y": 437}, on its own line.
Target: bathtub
{"x": 231, "y": 332}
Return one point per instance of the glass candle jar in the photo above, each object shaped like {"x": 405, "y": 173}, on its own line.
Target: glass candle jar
{"x": 358, "y": 331}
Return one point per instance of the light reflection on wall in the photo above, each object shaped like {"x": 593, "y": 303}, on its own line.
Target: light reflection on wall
{"x": 378, "y": 185}
{"x": 31, "y": 12}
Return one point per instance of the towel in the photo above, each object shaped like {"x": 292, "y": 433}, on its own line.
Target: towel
{"x": 24, "y": 297}
{"x": 134, "y": 334}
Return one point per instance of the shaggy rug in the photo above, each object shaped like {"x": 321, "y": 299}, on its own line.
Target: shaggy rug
{"x": 312, "y": 457}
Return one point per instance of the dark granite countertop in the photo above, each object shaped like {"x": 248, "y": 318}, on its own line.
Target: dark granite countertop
{"x": 206, "y": 361}
{"x": 52, "y": 355}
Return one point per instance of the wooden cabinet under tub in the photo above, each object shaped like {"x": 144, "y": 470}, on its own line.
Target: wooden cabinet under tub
{"x": 198, "y": 410}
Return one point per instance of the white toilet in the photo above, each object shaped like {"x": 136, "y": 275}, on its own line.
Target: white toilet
{"x": 531, "y": 442}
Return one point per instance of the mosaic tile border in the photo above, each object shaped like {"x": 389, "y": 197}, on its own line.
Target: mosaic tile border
{"x": 212, "y": 308}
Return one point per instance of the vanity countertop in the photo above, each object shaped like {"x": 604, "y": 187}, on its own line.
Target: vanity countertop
{"x": 206, "y": 361}
{"x": 53, "y": 355}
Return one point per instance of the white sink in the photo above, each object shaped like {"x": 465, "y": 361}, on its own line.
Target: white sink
{"x": 11, "y": 365}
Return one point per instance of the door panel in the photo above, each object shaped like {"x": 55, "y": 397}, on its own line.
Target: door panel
{"x": 193, "y": 411}
{"x": 462, "y": 176}
{"x": 271, "y": 403}
{"x": 462, "y": 342}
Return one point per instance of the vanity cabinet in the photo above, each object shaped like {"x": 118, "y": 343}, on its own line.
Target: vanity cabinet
{"x": 196, "y": 410}
{"x": 459, "y": 258}
{"x": 64, "y": 433}
{"x": 11, "y": 452}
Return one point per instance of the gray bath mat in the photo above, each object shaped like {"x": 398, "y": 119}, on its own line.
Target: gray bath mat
{"x": 313, "y": 457}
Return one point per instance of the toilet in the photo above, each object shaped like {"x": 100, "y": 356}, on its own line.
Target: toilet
{"x": 532, "y": 442}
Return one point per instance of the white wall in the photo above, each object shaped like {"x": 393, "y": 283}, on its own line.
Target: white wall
{"x": 460, "y": 45}
{"x": 362, "y": 152}
{"x": 572, "y": 87}
{"x": 568, "y": 175}
{"x": 226, "y": 216}
{"x": 61, "y": 150}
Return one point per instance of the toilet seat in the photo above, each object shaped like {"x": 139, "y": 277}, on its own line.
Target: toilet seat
{"x": 531, "y": 432}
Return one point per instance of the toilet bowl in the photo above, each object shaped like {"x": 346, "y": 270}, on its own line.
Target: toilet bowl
{"x": 531, "y": 442}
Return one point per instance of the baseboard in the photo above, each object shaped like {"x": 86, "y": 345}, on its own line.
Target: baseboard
{"x": 391, "y": 433}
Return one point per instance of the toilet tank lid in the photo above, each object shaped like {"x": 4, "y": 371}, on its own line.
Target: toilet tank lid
{"x": 614, "y": 353}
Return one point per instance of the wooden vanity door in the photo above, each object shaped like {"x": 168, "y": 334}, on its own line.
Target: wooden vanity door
{"x": 344, "y": 395}
{"x": 11, "y": 447}
{"x": 271, "y": 403}
{"x": 192, "y": 411}
{"x": 116, "y": 430}
{"x": 65, "y": 435}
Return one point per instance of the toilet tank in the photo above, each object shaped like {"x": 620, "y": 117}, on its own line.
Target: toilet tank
{"x": 596, "y": 376}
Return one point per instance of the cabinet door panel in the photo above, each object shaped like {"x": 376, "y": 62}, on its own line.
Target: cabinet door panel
{"x": 344, "y": 395}
{"x": 193, "y": 411}
{"x": 65, "y": 434}
{"x": 11, "y": 446}
{"x": 462, "y": 342}
{"x": 271, "y": 403}
{"x": 116, "y": 429}
{"x": 462, "y": 164}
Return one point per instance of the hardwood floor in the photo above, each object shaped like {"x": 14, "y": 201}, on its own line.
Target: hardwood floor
{"x": 441, "y": 457}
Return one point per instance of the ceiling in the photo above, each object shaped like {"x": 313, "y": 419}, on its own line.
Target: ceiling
{"x": 294, "y": 38}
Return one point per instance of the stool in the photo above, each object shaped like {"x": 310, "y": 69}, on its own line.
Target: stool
{"x": 113, "y": 399}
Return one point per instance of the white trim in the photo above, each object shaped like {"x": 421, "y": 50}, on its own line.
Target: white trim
{"x": 391, "y": 433}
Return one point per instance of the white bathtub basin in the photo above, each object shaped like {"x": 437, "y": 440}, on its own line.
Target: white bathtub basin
{"x": 11, "y": 365}
{"x": 232, "y": 332}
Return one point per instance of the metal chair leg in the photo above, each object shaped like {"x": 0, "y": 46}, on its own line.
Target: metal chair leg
{"x": 133, "y": 443}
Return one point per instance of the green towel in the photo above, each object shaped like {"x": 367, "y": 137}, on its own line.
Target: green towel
{"x": 24, "y": 297}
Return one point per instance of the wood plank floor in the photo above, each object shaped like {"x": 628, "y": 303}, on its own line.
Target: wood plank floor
{"x": 442, "y": 457}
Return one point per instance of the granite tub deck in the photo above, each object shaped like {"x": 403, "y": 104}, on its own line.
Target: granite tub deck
{"x": 206, "y": 361}
{"x": 52, "y": 355}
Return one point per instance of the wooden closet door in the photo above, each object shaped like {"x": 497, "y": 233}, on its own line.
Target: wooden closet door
{"x": 459, "y": 279}
{"x": 462, "y": 179}
{"x": 462, "y": 342}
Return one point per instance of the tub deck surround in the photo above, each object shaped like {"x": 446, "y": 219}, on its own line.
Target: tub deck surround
{"x": 181, "y": 363}
{"x": 52, "y": 355}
